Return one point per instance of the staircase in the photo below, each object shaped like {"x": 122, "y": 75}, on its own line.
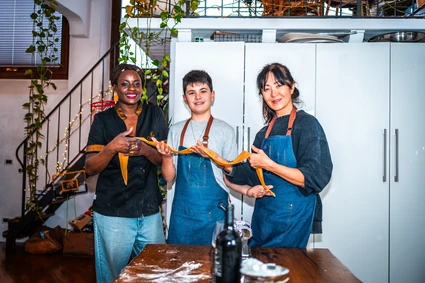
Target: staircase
{"x": 65, "y": 131}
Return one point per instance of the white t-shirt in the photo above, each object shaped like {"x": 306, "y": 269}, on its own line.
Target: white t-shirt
{"x": 221, "y": 140}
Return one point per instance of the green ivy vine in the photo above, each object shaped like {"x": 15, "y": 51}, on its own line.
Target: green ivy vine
{"x": 44, "y": 48}
{"x": 146, "y": 9}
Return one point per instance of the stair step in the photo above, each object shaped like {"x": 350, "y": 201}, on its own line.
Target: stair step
{"x": 20, "y": 236}
{"x": 60, "y": 200}
{"x": 46, "y": 216}
{"x": 43, "y": 216}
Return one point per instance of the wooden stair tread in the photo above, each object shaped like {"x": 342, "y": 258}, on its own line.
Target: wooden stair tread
{"x": 61, "y": 199}
{"x": 20, "y": 236}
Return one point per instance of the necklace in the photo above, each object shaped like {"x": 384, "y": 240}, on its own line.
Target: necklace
{"x": 193, "y": 132}
{"x": 130, "y": 115}
{"x": 124, "y": 116}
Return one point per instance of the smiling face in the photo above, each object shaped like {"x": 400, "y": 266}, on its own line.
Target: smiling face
{"x": 129, "y": 87}
{"x": 198, "y": 96}
{"x": 278, "y": 96}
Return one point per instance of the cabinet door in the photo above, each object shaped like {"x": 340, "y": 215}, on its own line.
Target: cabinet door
{"x": 300, "y": 59}
{"x": 407, "y": 189}
{"x": 352, "y": 105}
{"x": 224, "y": 62}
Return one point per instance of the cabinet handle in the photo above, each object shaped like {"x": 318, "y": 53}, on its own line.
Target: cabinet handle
{"x": 396, "y": 156}
{"x": 384, "y": 177}
{"x": 237, "y": 137}
{"x": 249, "y": 139}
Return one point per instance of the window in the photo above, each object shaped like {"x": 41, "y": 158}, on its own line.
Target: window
{"x": 16, "y": 36}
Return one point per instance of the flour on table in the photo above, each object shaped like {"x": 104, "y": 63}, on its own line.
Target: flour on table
{"x": 181, "y": 274}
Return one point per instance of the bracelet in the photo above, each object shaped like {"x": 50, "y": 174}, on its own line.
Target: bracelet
{"x": 247, "y": 192}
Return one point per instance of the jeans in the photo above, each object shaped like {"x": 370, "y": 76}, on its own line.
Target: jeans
{"x": 116, "y": 239}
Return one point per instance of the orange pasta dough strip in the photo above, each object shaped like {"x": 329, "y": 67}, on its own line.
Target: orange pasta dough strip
{"x": 152, "y": 143}
{"x": 241, "y": 157}
{"x": 218, "y": 159}
{"x": 260, "y": 176}
{"x": 124, "y": 166}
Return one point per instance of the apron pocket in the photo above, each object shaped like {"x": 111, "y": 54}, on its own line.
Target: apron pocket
{"x": 197, "y": 177}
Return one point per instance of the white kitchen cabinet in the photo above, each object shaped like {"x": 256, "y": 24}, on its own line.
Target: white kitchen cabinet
{"x": 370, "y": 100}
{"x": 352, "y": 104}
{"x": 407, "y": 163}
{"x": 225, "y": 65}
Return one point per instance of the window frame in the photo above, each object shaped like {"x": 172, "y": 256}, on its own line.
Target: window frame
{"x": 61, "y": 72}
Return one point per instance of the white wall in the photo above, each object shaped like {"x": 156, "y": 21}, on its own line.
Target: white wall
{"x": 14, "y": 93}
{"x": 85, "y": 50}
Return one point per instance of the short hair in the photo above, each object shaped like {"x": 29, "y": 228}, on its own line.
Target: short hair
{"x": 197, "y": 76}
{"x": 119, "y": 69}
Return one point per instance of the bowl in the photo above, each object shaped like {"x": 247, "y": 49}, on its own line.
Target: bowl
{"x": 399, "y": 36}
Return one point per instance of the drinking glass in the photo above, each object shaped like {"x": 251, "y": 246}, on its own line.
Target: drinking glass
{"x": 244, "y": 229}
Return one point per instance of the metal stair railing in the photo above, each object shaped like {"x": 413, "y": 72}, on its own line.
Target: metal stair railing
{"x": 65, "y": 131}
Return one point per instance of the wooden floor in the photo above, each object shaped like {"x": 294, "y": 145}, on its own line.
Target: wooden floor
{"x": 21, "y": 267}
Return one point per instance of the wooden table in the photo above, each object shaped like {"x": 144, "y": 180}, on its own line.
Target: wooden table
{"x": 178, "y": 263}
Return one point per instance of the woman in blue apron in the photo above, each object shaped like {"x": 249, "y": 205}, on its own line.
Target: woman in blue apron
{"x": 295, "y": 157}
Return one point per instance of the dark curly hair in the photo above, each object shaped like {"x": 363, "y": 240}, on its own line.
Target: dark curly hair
{"x": 118, "y": 69}
{"x": 283, "y": 76}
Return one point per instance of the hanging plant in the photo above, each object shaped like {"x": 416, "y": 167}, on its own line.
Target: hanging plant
{"x": 170, "y": 15}
{"x": 43, "y": 49}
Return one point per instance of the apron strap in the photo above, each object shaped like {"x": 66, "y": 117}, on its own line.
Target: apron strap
{"x": 183, "y": 132}
{"x": 291, "y": 120}
{"x": 292, "y": 117}
{"x": 206, "y": 133}
{"x": 270, "y": 127}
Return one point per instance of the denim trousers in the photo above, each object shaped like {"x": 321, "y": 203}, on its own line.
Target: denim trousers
{"x": 118, "y": 239}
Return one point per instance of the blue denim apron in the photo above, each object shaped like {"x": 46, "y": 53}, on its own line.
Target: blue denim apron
{"x": 197, "y": 194}
{"x": 284, "y": 220}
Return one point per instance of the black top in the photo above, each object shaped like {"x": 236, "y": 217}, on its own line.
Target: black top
{"x": 141, "y": 196}
{"x": 311, "y": 152}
